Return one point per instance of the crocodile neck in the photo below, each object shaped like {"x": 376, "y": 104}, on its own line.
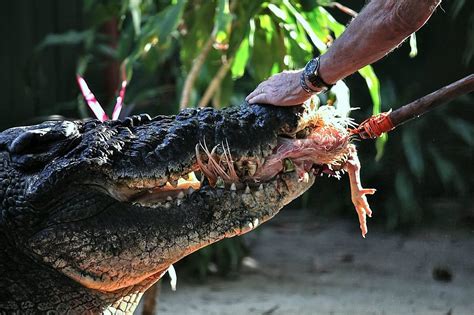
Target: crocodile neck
{"x": 27, "y": 286}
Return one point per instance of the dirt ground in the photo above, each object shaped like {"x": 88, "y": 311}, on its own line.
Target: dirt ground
{"x": 300, "y": 265}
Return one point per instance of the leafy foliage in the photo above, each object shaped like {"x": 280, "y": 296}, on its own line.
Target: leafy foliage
{"x": 242, "y": 42}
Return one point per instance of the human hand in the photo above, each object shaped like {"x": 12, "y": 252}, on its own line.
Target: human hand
{"x": 282, "y": 89}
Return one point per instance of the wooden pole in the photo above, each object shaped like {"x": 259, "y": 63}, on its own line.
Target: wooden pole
{"x": 419, "y": 107}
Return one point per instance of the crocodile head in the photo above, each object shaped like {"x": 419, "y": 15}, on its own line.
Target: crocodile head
{"x": 112, "y": 205}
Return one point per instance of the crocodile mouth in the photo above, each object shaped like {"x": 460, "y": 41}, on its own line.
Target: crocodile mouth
{"x": 319, "y": 145}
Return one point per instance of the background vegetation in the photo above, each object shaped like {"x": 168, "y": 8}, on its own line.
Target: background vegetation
{"x": 180, "y": 53}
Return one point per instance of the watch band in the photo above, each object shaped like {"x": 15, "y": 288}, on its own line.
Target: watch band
{"x": 304, "y": 86}
{"x": 311, "y": 73}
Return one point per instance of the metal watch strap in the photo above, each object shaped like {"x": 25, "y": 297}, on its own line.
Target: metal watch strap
{"x": 312, "y": 75}
{"x": 304, "y": 86}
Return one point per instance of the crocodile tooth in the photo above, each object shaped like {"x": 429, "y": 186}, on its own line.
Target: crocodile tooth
{"x": 250, "y": 225}
{"x": 220, "y": 183}
{"x": 181, "y": 195}
{"x": 169, "y": 198}
{"x": 305, "y": 177}
{"x": 179, "y": 202}
{"x": 252, "y": 168}
{"x": 167, "y": 205}
{"x": 190, "y": 190}
{"x": 173, "y": 182}
{"x": 255, "y": 223}
{"x": 247, "y": 189}
{"x": 233, "y": 187}
{"x": 260, "y": 187}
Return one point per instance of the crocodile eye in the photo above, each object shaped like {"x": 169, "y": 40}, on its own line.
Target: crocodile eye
{"x": 43, "y": 137}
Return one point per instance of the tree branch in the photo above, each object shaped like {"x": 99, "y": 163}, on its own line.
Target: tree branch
{"x": 193, "y": 73}
{"x": 216, "y": 82}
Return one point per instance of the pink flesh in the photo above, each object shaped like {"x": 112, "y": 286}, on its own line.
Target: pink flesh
{"x": 322, "y": 148}
{"x": 326, "y": 146}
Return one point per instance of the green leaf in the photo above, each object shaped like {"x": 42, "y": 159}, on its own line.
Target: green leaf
{"x": 457, "y": 6}
{"x": 342, "y": 104}
{"x": 67, "y": 38}
{"x": 134, "y": 7}
{"x": 320, "y": 45}
{"x": 462, "y": 128}
{"x": 158, "y": 28}
{"x": 374, "y": 87}
{"x": 412, "y": 147}
{"x": 380, "y": 146}
{"x": 295, "y": 41}
{"x": 322, "y": 22}
{"x": 241, "y": 59}
{"x": 409, "y": 209}
{"x": 413, "y": 46}
{"x": 223, "y": 21}
{"x": 446, "y": 170}
{"x": 261, "y": 60}
{"x": 373, "y": 84}
{"x": 200, "y": 27}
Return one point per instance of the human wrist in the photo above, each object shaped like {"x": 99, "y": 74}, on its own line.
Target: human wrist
{"x": 326, "y": 73}
{"x": 311, "y": 78}
{"x": 306, "y": 86}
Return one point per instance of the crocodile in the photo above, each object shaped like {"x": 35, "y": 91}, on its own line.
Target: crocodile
{"x": 94, "y": 213}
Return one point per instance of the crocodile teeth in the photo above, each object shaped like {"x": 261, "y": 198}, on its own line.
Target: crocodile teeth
{"x": 181, "y": 195}
{"x": 255, "y": 223}
{"x": 190, "y": 190}
{"x": 173, "y": 182}
{"x": 305, "y": 177}
{"x": 260, "y": 187}
{"x": 233, "y": 187}
{"x": 252, "y": 168}
{"x": 169, "y": 198}
{"x": 247, "y": 189}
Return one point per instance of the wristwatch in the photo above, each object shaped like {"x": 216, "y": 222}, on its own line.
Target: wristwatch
{"x": 311, "y": 74}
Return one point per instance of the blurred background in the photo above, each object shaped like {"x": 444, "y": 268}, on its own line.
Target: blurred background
{"x": 189, "y": 53}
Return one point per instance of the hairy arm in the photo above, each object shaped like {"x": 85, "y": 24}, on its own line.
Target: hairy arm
{"x": 377, "y": 30}
{"x": 380, "y": 27}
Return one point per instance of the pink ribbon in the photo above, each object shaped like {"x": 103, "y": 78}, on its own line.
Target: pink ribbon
{"x": 95, "y": 106}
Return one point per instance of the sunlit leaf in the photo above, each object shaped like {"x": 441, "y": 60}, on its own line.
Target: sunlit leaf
{"x": 342, "y": 104}
{"x": 320, "y": 45}
{"x": 324, "y": 20}
{"x": 413, "y": 46}
{"x": 223, "y": 21}
{"x": 240, "y": 60}
{"x": 134, "y": 6}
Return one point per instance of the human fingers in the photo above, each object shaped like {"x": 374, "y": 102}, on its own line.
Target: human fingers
{"x": 258, "y": 90}
{"x": 262, "y": 98}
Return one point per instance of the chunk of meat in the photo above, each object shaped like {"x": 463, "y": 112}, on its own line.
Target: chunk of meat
{"x": 358, "y": 193}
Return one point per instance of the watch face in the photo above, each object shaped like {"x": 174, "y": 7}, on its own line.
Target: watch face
{"x": 310, "y": 68}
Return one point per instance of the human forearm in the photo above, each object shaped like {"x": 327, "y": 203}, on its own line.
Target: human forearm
{"x": 380, "y": 27}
